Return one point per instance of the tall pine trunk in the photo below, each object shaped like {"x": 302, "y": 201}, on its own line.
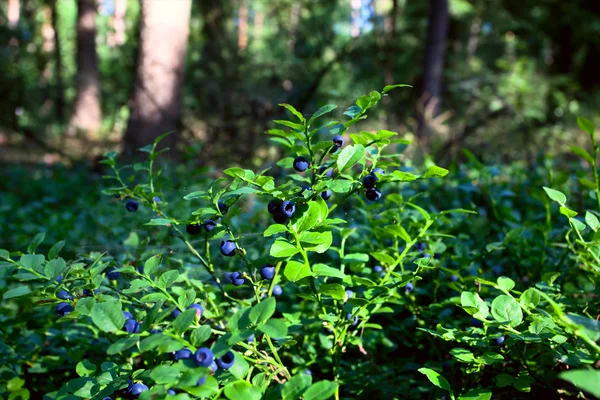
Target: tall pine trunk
{"x": 87, "y": 114}
{"x": 156, "y": 101}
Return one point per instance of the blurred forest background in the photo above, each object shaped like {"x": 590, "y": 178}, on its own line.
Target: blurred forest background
{"x": 503, "y": 78}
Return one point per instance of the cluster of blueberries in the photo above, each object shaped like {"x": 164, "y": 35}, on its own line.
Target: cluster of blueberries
{"x": 208, "y": 225}
{"x": 204, "y": 357}
{"x": 369, "y": 181}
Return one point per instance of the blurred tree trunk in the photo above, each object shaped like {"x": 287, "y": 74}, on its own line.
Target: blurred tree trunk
{"x": 59, "y": 95}
{"x": 435, "y": 47}
{"x": 116, "y": 36}
{"x": 87, "y": 114}
{"x": 156, "y": 98}
{"x": 13, "y": 12}
{"x": 243, "y": 27}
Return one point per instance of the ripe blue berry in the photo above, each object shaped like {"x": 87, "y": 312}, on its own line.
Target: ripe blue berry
{"x": 156, "y": 199}
{"x": 209, "y": 225}
{"x": 500, "y": 340}
{"x": 277, "y": 290}
{"x": 226, "y": 361}
{"x": 127, "y": 315}
{"x": 288, "y": 208}
{"x": 228, "y": 248}
{"x": 454, "y": 278}
{"x": 326, "y": 194}
{"x": 234, "y": 278}
{"x": 112, "y": 275}
{"x": 301, "y": 164}
{"x": 409, "y": 287}
{"x": 88, "y": 292}
{"x": 59, "y": 279}
{"x": 193, "y": 229}
{"x": 171, "y": 392}
{"x": 327, "y": 171}
{"x": 131, "y": 205}
{"x": 378, "y": 171}
{"x": 131, "y": 326}
{"x": 175, "y": 313}
{"x": 377, "y": 268}
{"x": 183, "y": 354}
{"x": 280, "y": 219}
{"x": 305, "y": 188}
{"x": 201, "y": 381}
{"x": 63, "y": 309}
{"x": 214, "y": 367}
{"x": 204, "y": 357}
{"x": 373, "y": 194}
{"x": 223, "y": 208}
{"x": 354, "y": 320}
{"x": 338, "y": 141}
{"x": 250, "y": 339}
{"x": 199, "y": 310}
{"x": 267, "y": 271}
{"x": 64, "y": 295}
{"x": 349, "y": 294}
{"x": 137, "y": 389}
{"x": 420, "y": 246}
{"x": 274, "y": 206}
{"x": 369, "y": 181}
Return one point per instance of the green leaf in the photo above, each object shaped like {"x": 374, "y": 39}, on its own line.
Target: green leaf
{"x": 592, "y": 221}
{"x": 308, "y": 218}
{"x": 435, "y": 378}
{"x": 586, "y": 125}
{"x": 183, "y": 321}
{"x": 476, "y": 394}
{"x": 32, "y": 261}
{"x": 402, "y": 176}
{"x": 587, "y": 380}
{"x": 355, "y": 258}
{"x": 84, "y": 306}
{"x": 462, "y": 355}
{"x": 295, "y": 387}
{"x": 275, "y": 328}
{"x": 200, "y": 335}
{"x": 262, "y": 311}
{"x": 291, "y": 109}
{"x": 275, "y": 229}
{"x": 151, "y": 264}
{"x": 474, "y": 305}
{"x": 434, "y": 172}
{"x": 349, "y": 156}
{"x": 85, "y": 368}
{"x": 54, "y": 268}
{"x": 37, "y": 240}
{"x": 325, "y": 270}
{"x": 242, "y": 390}
{"x": 334, "y": 290}
{"x": 506, "y": 309}
{"x": 281, "y": 248}
{"x": 16, "y": 292}
{"x": 321, "y": 390}
{"x": 108, "y": 316}
{"x": 4, "y": 254}
{"x": 153, "y": 297}
{"x": 295, "y": 271}
{"x": 165, "y": 374}
{"x": 55, "y": 250}
{"x": 159, "y": 222}
{"x": 530, "y": 298}
{"x": 322, "y": 111}
{"x": 387, "y": 88}
{"x": 122, "y": 345}
{"x": 555, "y": 195}
{"x": 153, "y": 341}
{"x": 167, "y": 279}
{"x": 505, "y": 283}
{"x": 583, "y": 154}
{"x": 240, "y": 367}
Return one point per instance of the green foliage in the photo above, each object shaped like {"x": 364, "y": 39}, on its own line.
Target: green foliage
{"x": 484, "y": 286}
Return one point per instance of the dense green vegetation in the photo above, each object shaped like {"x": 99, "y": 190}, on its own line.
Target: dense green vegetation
{"x": 472, "y": 282}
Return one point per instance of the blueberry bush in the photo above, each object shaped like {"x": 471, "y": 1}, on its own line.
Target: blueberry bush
{"x": 342, "y": 272}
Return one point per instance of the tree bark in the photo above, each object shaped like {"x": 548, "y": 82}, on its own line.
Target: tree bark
{"x": 156, "y": 99}
{"x": 13, "y": 13}
{"x": 87, "y": 114}
{"x": 59, "y": 96}
{"x": 435, "y": 48}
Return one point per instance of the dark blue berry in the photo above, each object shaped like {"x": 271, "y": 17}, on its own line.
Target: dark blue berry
{"x": 280, "y": 218}
{"x": 377, "y": 268}
{"x": 131, "y": 326}
{"x": 378, "y": 171}
{"x": 274, "y": 206}
{"x": 354, "y": 320}
{"x": 373, "y": 194}
{"x": 175, "y": 313}
{"x": 59, "y": 279}
{"x": 234, "y": 278}
{"x": 214, "y": 367}
{"x": 199, "y": 310}
{"x": 171, "y": 392}
{"x": 277, "y": 290}
{"x": 127, "y": 315}
{"x": 131, "y": 205}
{"x": 193, "y": 229}
{"x": 326, "y": 194}
{"x": 63, "y": 309}
{"x": 500, "y": 340}
{"x": 88, "y": 292}
{"x": 209, "y": 225}
{"x": 288, "y": 208}
{"x": 349, "y": 294}
{"x": 204, "y": 357}
{"x": 228, "y": 248}
{"x": 137, "y": 389}
{"x": 409, "y": 287}
{"x": 301, "y": 164}
{"x": 112, "y": 275}
{"x": 267, "y": 271}
{"x": 454, "y": 278}
{"x": 183, "y": 354}
{"x": 157, "y": 199}
{"x": 250, "y": 338}
{"x": 369, "y": 181}
{"x": 64, "y": 295}
{"x": 338, "y": 141}
{"x": 327, "y": 171}
{"x": 226, "y": 361}
{"x": 305, "y": 188}
{"x": 223, "y": 208}
{"x": 201, "y": 381}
